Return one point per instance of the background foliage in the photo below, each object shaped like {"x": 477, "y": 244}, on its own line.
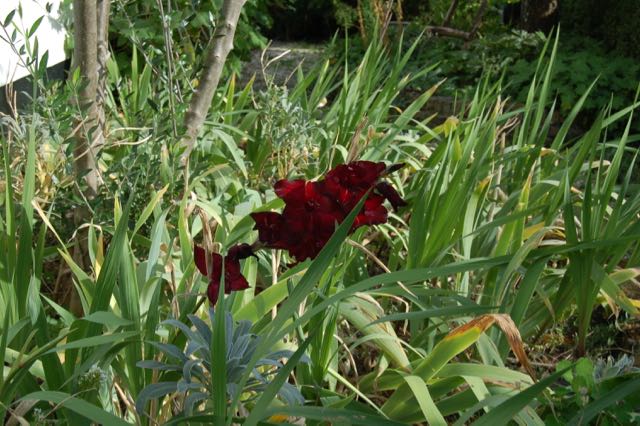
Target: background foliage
{"x": 613, "y": 23}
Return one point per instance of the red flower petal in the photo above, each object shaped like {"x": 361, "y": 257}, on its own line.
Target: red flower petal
{"x": 269, "y": 226}
{"x": 291, "y": 191}
{"x": 216, "y": 268}
{"x": 200, "y": 257}
{"x": 316, "y": 198}
{"x": 212, "y": 293}
{"x": 240, "y": 251}
{"x": 357, "y": 174}
{"x": 233, "y": 278}
{"x": 373, "y": 212}
{"x": 390, "y": 193}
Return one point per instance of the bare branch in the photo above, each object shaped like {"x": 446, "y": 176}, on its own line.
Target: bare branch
{"x": 102, "y": 9}
{"x": 449, "y": 32}
{"x": 477, "y": 20}
{"x": 221, "y": 45}
{"x": 450, "y": 12}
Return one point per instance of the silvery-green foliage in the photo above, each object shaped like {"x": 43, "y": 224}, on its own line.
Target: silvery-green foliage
{"x": 609, "y": 368}
{"x": 194, "y": 364}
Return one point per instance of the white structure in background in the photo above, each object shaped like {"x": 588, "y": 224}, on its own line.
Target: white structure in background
{"x": 51, "y": 34}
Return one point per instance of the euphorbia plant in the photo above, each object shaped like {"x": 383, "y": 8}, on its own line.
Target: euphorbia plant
{"x": 312, "y": 211}
{"x": 194, "y": 362}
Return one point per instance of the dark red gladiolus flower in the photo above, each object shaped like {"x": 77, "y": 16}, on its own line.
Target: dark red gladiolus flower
{"x": 233, "y": 279}
{"x": 313, "y": 209}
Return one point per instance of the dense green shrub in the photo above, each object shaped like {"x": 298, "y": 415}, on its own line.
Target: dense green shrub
{"x": 514, "y": 56}
{"x": 315, "y": 20}
{"x": 614, "y": 22}
{"x": 304, "y": 19}
{"x": 580, "y": 62}
{"x": 190, "y": 25}
{"x": 463, "y": 64}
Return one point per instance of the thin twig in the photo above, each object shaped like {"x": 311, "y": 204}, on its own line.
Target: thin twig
{"x": 449, "y": 16}
{"x": 168, "y": 44}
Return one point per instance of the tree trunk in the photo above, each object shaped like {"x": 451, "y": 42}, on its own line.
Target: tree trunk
{"x": 220, "y": 46}
{"x": 91, "y": 51}
{"x": 85, "y": 57}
